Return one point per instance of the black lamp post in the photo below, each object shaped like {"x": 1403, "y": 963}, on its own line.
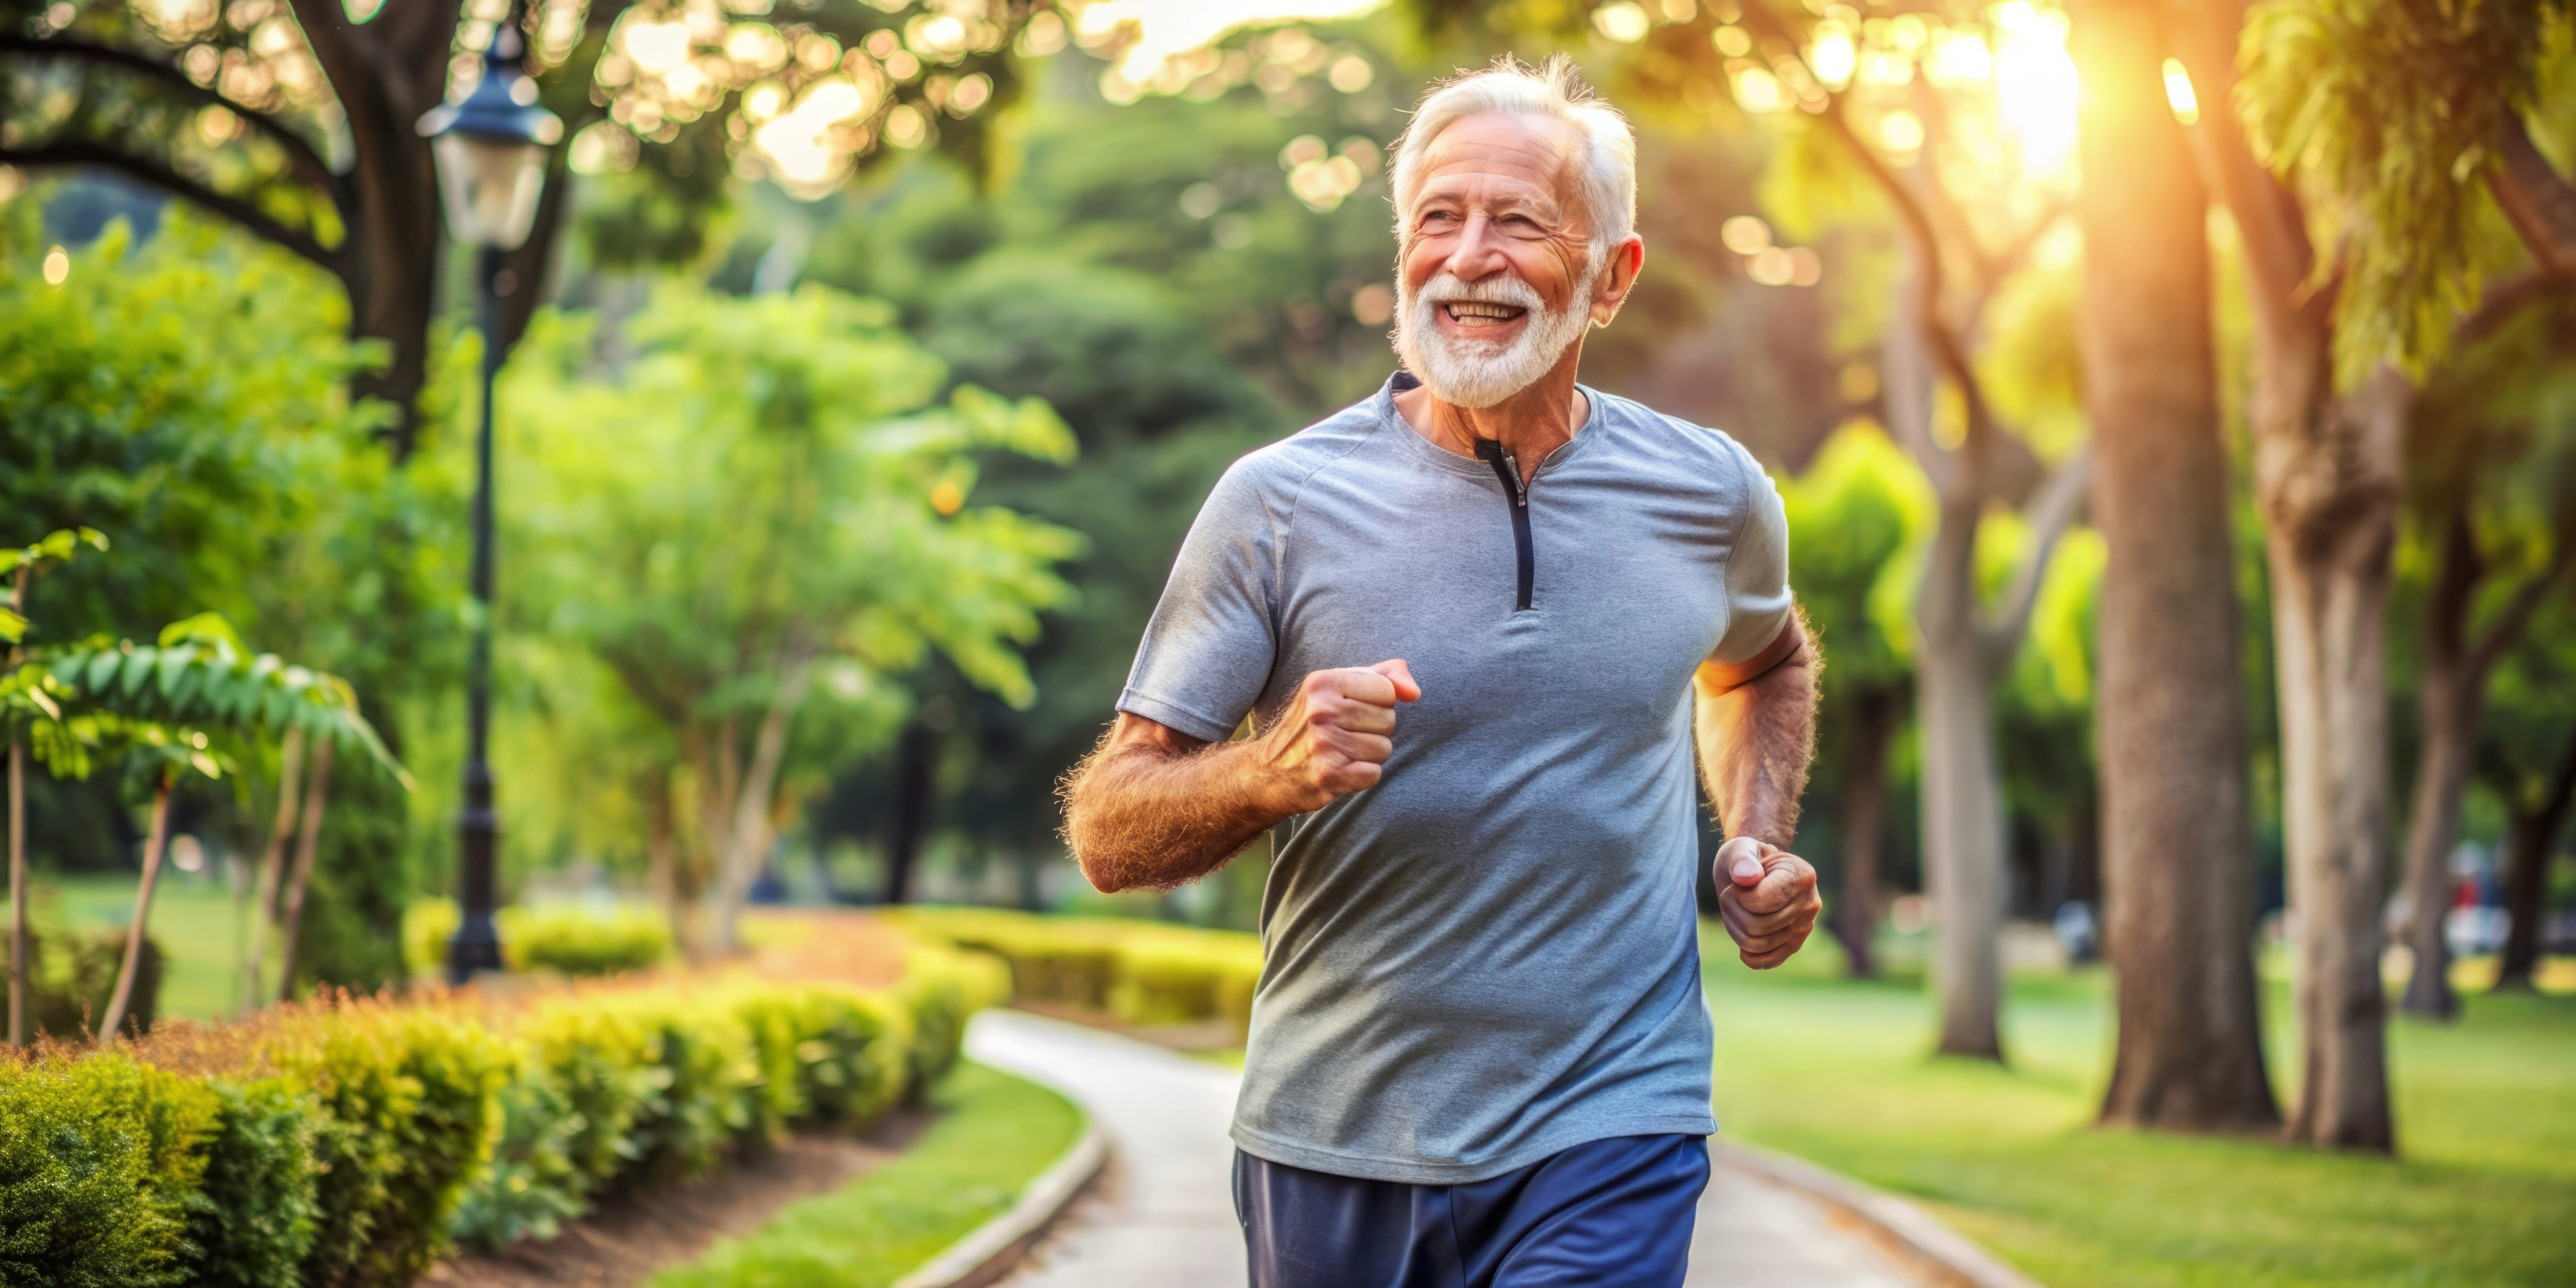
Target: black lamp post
{"x": 491, "y": 152}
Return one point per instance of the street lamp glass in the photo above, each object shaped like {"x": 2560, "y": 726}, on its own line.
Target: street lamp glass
{"x": 491, "y": 187}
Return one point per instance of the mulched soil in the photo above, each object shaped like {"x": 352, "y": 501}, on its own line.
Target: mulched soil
{"x": 628, "y": 1239}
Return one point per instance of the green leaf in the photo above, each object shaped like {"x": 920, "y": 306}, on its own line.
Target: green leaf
{"x": 101, "y": 672}
{"x": 138, "y": 668}
{"x": 13, "y": 625}
{"x": 208, "y": 627}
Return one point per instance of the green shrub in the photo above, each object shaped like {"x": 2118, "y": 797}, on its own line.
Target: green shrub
{"x": 1142, "y": 972}
{"x": 1173, "y": 980}
{"x": 252, "y": 1222}
{"x": 600, "y": 1062}
{"x": 532, "y": 1186}
{"x": 700, "y": 1066}
{"x": 579, "y": 940}
{"x": 97, "y": 1159}
{"x": 568, "y": 938}
{"x": 412, "y": 1101}
{"x": 374, "y": 1133}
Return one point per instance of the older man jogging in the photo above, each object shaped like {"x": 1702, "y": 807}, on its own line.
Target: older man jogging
{"x": 1479, "y": 622}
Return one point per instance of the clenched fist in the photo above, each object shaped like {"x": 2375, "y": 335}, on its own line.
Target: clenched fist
{"x": 1768, "y": 899}
{"x": 1335, "y": 736}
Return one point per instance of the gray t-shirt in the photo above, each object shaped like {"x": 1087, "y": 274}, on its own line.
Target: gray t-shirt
{"x": 1490, "y": 956}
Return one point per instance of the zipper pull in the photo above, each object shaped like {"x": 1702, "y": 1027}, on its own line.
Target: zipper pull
{"x": 1520, "y": 489}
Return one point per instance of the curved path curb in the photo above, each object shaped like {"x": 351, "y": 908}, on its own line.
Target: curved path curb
{"x": 1909, "y": 1228}
{"x": 992, "y": 1249}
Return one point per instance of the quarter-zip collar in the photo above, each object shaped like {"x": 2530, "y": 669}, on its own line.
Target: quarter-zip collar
{"x": 1494, "y": 462}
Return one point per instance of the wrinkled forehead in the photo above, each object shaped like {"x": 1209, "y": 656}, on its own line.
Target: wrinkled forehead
{"x": 1503, "y": 156}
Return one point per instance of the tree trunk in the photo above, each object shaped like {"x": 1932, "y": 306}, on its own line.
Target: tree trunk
{"x": 1879, "y": 714}
{"x": 915, "y": 786}
{"x": 272, "y": 866}
{"x": 747, "y": 835}
{"x": 2327, "y": 479}
{"x": 2452, "y": 701}
{"x": 307, "y": 844}
{"x": 17, "y": 890}
{"x": 2177, "y": 845}
{"x": 2526, "y": 894}
{"x": 1963, "y": 808}
{"x": 159, "y": 840}
{"x": 2329, "y": 488}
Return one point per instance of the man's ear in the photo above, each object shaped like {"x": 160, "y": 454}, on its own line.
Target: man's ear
{"x": 1627, "y": 259}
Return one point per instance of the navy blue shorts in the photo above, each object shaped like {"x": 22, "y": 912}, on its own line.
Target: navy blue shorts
{"x": 1613, "y": 1214}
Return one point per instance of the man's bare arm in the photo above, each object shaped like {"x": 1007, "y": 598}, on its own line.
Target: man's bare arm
{"x": 1155, "y": 808}
{"x": 1756, "y": 725}
{"x": 1757, "y": 731}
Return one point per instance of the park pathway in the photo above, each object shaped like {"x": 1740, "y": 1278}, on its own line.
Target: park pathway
{"x": 1162, "y": 1216}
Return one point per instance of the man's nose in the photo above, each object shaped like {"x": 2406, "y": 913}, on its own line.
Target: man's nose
{"x": 1479, "y": 252}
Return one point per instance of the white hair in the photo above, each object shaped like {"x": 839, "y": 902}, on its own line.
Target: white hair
{"x": 1606, "y": 171}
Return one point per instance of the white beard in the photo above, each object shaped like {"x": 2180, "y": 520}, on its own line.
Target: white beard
{"x": 1480, "y": 373}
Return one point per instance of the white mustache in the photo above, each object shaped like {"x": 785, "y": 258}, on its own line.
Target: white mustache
{"x": 1502, "y": 288}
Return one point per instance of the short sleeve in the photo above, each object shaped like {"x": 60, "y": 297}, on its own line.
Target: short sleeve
{"x": 1209, "y": 648}
{"x": 1757, "y": 571}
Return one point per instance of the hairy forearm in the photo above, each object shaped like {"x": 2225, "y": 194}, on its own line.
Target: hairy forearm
{"x": 1147, "y": 815}
{"x": 1755, "y": 742}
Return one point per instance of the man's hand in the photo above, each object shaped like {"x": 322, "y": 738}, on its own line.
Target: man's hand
{"x": 1335, "y": 735}
{"x": 1768, "y": 899}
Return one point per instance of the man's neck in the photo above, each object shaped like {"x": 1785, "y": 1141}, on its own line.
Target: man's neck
{"x": 1530, "y": 424}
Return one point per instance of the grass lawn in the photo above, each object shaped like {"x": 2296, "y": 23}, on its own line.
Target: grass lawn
{"x": 995, "y": 1135}
{"x": 2485, "y": 1193}
{"x": 194, "y": 920}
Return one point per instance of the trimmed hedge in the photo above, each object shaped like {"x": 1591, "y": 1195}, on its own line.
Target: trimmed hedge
{"x": 345, "y": 1144}
{"x": 1142, "y": 972}
{"x": 567, "y": 938}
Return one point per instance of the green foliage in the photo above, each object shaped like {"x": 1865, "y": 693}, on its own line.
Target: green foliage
{"x": 1142, "y": 972}
{"x": 252, "y": 1223}
{"x": 201, "y": 675}
{"x": 370, "y": 1133}
{"x": 571, "y": 939}
{"x": 75, "y": 972}
{"x": 411, "y": 1102}
{"x": 531, "y": 1186}
{"x": 763, "y": 515}
{"x": 97, "y": 1157}
{"x": 2396, "y": 106}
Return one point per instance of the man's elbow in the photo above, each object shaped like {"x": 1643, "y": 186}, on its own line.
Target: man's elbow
{"x": 1792, "y": 651}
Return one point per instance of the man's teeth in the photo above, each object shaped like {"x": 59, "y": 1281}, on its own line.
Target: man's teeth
{"x": 1482, "y": 311}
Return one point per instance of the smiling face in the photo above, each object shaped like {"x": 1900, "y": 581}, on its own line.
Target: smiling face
{"x": 1498, "y": 273}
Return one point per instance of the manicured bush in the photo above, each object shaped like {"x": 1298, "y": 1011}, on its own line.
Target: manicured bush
{"x": 344, "y": 1144}
{"x": 259, "y": 1160}
{"x": 567, "y": 938}
{"x": 97, "y": 1159}
{"x": 1142, "y": 972}
{"x": 411, "y": 1095}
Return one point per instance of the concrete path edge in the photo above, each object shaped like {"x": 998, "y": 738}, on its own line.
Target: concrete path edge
{"x": 994, "y": 1248}
{"x": 1910, "y": 1226}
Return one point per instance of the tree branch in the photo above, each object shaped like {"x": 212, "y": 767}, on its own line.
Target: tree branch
{"x": 307, "y": 162}
{"x": 2518, "y": 611}
{"x": 2278, "y": 253}
{"x": 2052, "y": 511}
{"x": 2536, "y": 199}
{"x": 2503, "y": 299}
{"x": 1948, "y": 352}
{"x": 252, "y": 219}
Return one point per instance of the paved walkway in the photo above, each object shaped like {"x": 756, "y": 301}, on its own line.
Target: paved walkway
{"x": 1163, "y": 1215}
